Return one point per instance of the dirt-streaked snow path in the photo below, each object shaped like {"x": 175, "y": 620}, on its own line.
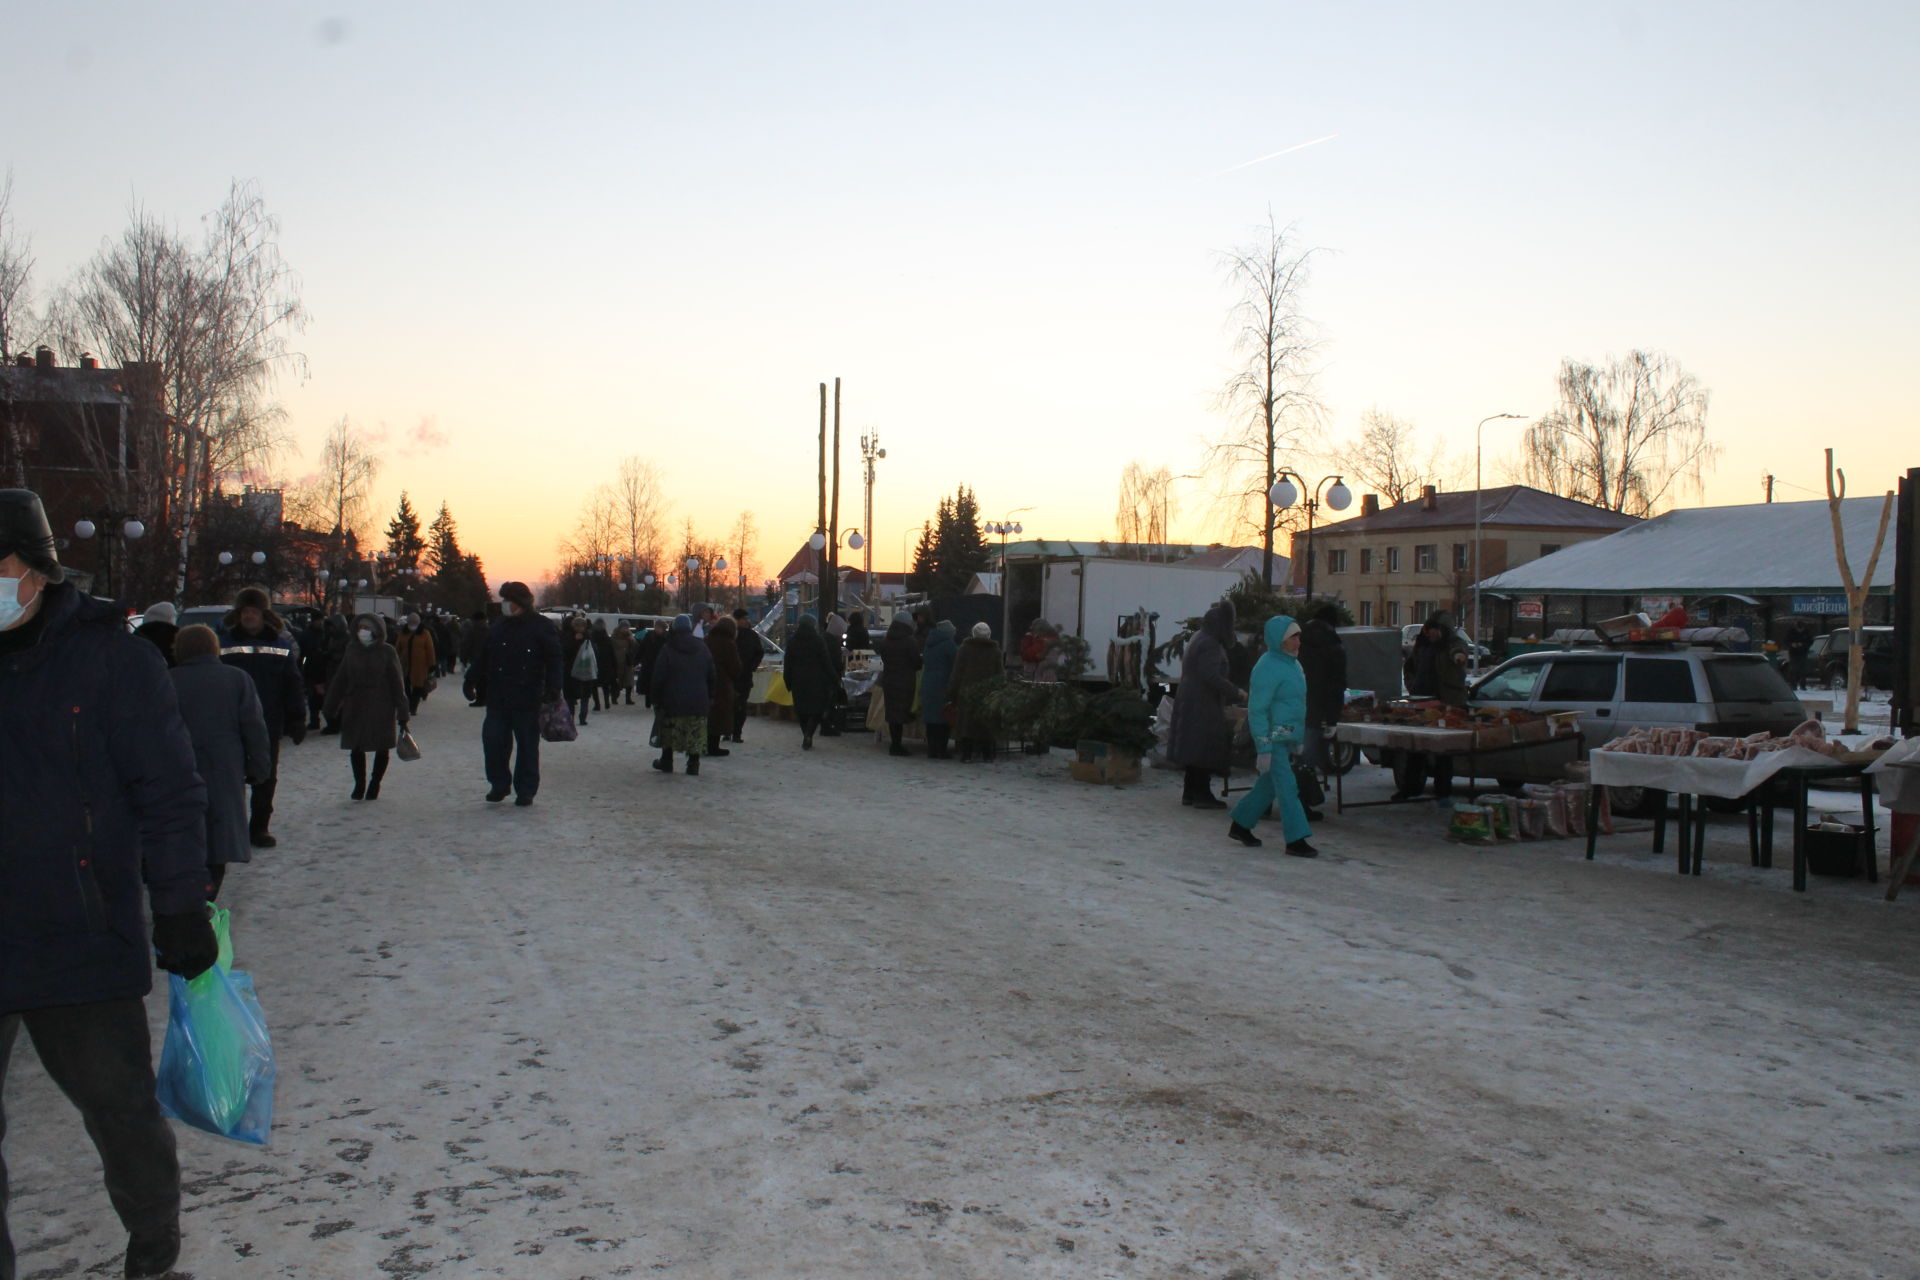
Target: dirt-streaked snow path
{"x": 837, "y": 1014}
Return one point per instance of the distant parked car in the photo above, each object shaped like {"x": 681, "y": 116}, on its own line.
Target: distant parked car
{"x": 1827, "y": 657}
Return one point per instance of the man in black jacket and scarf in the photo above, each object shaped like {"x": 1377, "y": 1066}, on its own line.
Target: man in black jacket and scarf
{"x": 100, "y": 807}
{"x": 519, "y": 672}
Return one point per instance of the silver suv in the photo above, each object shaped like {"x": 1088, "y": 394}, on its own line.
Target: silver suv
{"x": 1615, "y": 690}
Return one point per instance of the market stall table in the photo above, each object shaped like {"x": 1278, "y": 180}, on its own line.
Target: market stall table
{"x": 1690, "y": 778}
{"x": 1477, "y": 746}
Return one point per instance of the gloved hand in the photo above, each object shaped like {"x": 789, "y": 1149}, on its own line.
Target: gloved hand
{"x": 1263, "y": 761}
{"x": 186, "y": 942}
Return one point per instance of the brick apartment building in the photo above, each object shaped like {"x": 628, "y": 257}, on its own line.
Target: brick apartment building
{"x": 1395, "y": 565}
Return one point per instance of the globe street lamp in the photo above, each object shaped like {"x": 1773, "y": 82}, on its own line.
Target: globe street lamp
{"x": 130, "y": 530}
{"x": 1285, "y": 491}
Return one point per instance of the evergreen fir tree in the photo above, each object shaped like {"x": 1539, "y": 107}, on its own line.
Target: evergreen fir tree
{"x": 924, "y": 560}
{"x": 966, "y": 552}
{"x": 443, "y": 544}
{"x": 403, "y": 534}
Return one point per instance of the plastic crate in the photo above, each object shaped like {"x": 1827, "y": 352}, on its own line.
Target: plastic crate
{"x": 1837, "y": 853}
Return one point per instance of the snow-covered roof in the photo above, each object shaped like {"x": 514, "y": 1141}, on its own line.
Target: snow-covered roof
{"x": 1508, "y": 505}
{"x": 1762, "y": 549}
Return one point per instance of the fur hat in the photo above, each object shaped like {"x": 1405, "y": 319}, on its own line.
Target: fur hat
{"x": 518, "y": 593}
{"x": 255, "y": 598}
{"x": 163, "y": 612}
{"x": 24, "y": 532}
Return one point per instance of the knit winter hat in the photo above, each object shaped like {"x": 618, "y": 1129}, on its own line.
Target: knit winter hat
{"x": 162, "y": 612}
{"x": 981, "y": 631}
{"x": 683, "y": 622}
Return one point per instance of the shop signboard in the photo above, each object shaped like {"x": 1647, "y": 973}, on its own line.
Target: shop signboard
{"x": 1820, "y": 604}
{"x": 1659, "y": 606}
{"x": 1530, "y": 608}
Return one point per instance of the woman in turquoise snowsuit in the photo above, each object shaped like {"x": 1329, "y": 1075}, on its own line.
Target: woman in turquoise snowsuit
{"x": 1276, "y": 717}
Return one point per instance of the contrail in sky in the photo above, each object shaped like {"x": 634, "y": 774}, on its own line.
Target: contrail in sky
{"x": 1275, "y": 154}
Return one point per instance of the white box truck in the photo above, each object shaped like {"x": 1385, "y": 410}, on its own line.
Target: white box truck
{"x": 1092, "y": 596}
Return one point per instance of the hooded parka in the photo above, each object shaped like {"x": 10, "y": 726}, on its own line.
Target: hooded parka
{"x": 936, "y": 673}
{"x": 368, "y": 695}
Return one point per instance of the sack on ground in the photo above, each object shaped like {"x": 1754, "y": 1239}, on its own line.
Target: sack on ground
{"x": 216, "y": 1066}
{"x": 556, "y": 722}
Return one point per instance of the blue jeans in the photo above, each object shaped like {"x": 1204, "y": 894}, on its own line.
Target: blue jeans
{"x": 100, "y": 1056}
{"x": 512, "y": 733}
{"x": 1276, "y": 781}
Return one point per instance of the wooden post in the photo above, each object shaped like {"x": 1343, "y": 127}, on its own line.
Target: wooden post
{"x": 1856, "y": 592}
{"x": 833, "y": 513}
{"x": 820, "y": 521}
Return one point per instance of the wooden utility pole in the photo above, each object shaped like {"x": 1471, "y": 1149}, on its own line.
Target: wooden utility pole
{"x": 1856, "y": 592}
{"x": 1769, "y": 485}
{"x": 833, "y": 513}
{"x": 820, "y": 521}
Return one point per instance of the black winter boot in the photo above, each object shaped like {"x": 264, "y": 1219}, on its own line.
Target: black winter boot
{"x": 665, "y": 763}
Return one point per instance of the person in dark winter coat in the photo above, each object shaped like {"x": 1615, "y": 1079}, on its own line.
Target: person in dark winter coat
{"x": 811, "y": 676}
{"x": 419, "y": 656}
{"x": 91, "y": 741}
{"x": 683, "y": 686}
{"x": 338, "y": 631}
{"x": 584, "y": 657}
{"x": 936, "y": 673}
{"x": 473, "y": 643}
{"x": 644, "y": 654}
{"x": 222, "y": 712}
{"x": 253, "y": 638}
{"x": 158, "y": 628}
{"x": 370, "y": 699}
{"x": 857, "y": 637}
{"x": 622, "y": 642}
{"x": 519, "y": 672}
{"x": 1436, "y": 667}
{"x": 1201, "y": 741}
{"x": 900, "y": 658}
{"x": 753, "y": 651}
{"x": 1323, "y": 656}
{"x": 314, "y": 668}
{"x": 978, "y": 662}
{"x": 721, "y": 641}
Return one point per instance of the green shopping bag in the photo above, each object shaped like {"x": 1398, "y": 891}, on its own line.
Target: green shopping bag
{"x": 216, "y": 1066}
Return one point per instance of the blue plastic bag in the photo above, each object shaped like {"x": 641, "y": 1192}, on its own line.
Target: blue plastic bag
{"x": 216, "y": 1066}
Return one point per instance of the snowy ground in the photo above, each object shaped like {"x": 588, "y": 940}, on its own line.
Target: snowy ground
{"x": 842, "y": 1015}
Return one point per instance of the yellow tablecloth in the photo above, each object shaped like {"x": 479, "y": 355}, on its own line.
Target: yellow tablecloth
{"x": 777, "y": 690}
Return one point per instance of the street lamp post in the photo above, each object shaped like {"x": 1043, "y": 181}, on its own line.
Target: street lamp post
{"x": 870, "y": 452}
{"x": 1002, "y": 528}
{"x": 1286, "y": 490}
{"x": 1474, "y": 639}
{"x": 129, "y": 530}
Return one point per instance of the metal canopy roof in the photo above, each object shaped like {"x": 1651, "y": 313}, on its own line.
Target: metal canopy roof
{"x": 1771, "y": 548}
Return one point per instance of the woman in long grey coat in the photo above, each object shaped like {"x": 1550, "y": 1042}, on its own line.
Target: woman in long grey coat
{"x": 368, "y": 696}
{"x": 1201, "y": 742}
{"x": 229, "y": 732}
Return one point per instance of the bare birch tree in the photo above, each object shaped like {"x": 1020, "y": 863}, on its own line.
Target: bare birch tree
{"x": 742, "y": 541}
{"x": 640, "y": 504}
{"x": 338, "y": 498}
{"x": 1386, "y": 459}
{"x": 17, "y": 326}
{"x": 215, "y": 323}
{"x": 1271, "y": 398}
{"x": 1628, "y": 436}
{"x": 1145, "y": 505}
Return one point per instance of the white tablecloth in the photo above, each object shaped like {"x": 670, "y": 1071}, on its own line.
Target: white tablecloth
{"x": 1697, "y": 776}
{"x": 1899, "y": 776}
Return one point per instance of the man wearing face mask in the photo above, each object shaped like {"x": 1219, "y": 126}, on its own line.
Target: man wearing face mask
{"x": 98, "y": 794}
{"x": 253, "y": 638}
{"x": 519, "y": 671}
